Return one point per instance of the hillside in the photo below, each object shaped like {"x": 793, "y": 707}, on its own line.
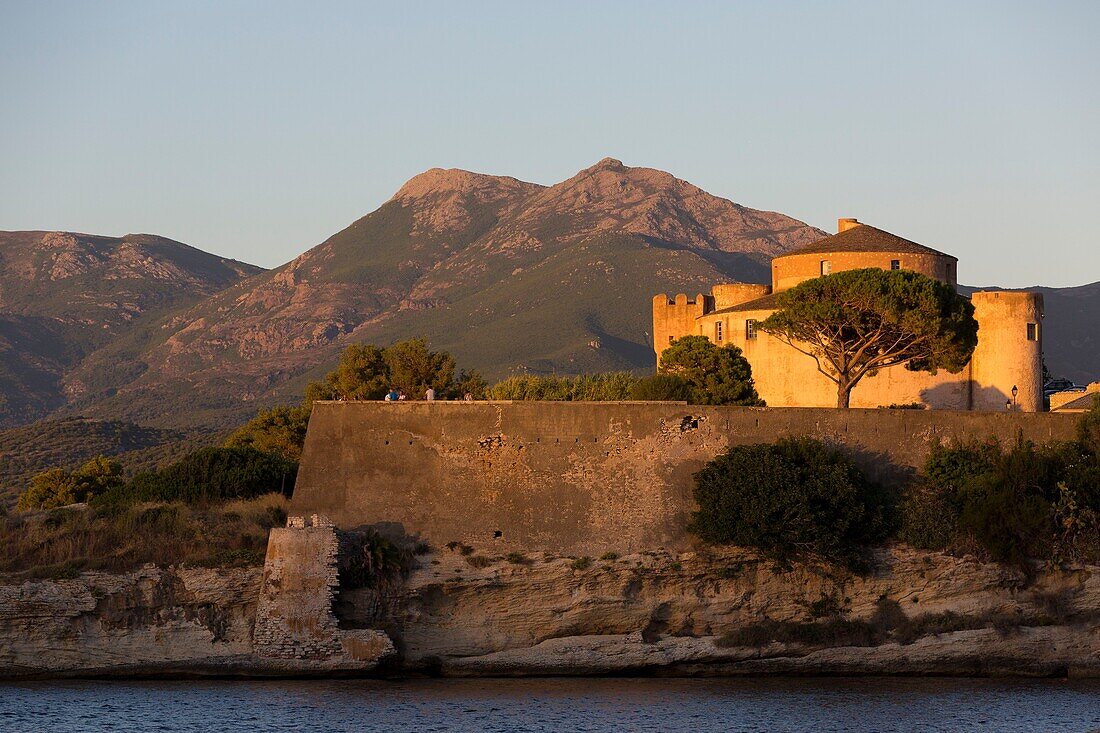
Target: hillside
{"x": 509, "y": 276}
{"x": 64, "y": 295}
{"x": 31, "y": 449}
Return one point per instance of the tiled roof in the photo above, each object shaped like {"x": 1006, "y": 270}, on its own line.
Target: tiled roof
{"x": 767, "y": 302}
{"x": 864, "y": 238}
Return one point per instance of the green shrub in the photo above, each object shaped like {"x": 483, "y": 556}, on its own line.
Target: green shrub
{"x": 790, "y": 498}
{"x": 662, "y": 388}
{"x": 582, "y": 563}
{"x": 370, "y": 560}
{"x": 1012, "y": 504}
{"x": 717, "y": 375}
{"x": 209, "y": 474}
{"x": 280, "y": 431}
{"x": 479, "y": 561}
{"x": 606, "y": 387}
{"x": 57, "y": 487}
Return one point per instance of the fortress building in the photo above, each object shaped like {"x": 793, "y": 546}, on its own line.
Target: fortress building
{"x": 1008, "y": 355}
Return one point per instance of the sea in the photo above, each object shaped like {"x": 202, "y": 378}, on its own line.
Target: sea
{"x": 554, "y": 705}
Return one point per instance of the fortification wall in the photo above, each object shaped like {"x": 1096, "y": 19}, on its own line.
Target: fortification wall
{"x": 581, "y": 478}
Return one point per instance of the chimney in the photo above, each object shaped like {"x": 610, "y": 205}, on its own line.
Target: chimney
{"x": 843, "y": 225}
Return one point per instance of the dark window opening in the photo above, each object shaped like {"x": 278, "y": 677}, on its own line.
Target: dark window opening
{"x": 895, "y": 264}
{"x": 718, "y": 332}
{"x": 750, "y": 328}
{"x": 497, "y": 534}
{"x": 1033, "y": 332}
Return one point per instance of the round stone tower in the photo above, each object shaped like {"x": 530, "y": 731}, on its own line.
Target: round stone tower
{"x": 1009, "y": 352}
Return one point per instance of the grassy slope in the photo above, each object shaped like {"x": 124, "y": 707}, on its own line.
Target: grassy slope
{"x": 28, "y": 450}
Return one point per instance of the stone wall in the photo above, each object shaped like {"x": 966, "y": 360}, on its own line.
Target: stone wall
{"x": 582, "y": 478}
{"x": 294, "y": 617}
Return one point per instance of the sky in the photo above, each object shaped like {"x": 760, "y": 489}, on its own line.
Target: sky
{"x": 255, "y": 130}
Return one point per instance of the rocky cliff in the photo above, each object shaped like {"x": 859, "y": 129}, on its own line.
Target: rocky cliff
{"x": 466, "y": 612}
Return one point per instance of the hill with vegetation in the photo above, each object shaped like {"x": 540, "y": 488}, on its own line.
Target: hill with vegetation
{"x": 67, "y": 443}
{"x": 63, "y": 296}
{"x": 510, "y": 277}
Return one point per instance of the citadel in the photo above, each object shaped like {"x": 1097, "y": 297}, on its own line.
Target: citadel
{"x": 1004, "y": 373}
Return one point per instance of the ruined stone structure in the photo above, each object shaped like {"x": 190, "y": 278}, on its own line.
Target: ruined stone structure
{"x": 1009, "y": 351}
{"x": 294, "y": 616}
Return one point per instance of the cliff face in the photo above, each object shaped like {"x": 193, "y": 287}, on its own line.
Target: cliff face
{"x": 732, "y": 612}
{"x": 143, "y": 622}
{"x": 719, "y": 612}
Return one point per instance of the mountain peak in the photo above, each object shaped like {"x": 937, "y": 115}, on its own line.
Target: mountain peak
{"x": 608, "y": 164}
{"x": 456, "y": 180}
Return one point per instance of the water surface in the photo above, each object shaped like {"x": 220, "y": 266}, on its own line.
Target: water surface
{"x": 554, "y": 705}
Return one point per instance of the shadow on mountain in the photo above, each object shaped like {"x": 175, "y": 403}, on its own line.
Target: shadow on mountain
{"x": 741, "y": 266}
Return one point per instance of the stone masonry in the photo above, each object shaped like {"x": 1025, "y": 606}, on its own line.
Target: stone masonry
{"x": 294, "y": 617}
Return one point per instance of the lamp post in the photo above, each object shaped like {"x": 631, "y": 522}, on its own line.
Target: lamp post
{"x": 1015, "y": 391}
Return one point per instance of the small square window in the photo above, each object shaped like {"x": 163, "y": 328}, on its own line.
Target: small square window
{"x": 895, "y": 264}
{"x": 718, "y": 331}
{"x": 826, "y": 267}
{"x": 750, "y": 328}
{"x": 671, "y": 339}
{"x": 1033, "y": 332}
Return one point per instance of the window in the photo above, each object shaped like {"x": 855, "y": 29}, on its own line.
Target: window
{"x": 826, "y": 267}
{"x": 718, "y": 332}
{"x": 1033, "y": 332}
{"x": 750, "y": 328}
{"x": 895, "y": 264}
{"x": 671, "y": 339}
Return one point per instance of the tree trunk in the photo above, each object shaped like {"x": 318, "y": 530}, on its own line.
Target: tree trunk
{"x": 843, "y": 393}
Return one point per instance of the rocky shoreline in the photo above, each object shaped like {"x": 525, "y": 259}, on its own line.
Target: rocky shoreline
{"x": 464, "y": 612}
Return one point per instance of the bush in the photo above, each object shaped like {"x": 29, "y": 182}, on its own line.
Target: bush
{"x": 662, "y": 388}
{"x": 280, "y": 431}
{"x": 610, "y": 386}
{"x": 1010, "y": 505}
{"x": 57, "y": 487}
{"x": 790, "y": 498}
{"x": 716, "y": 375}
{"x": 209, "y": 474}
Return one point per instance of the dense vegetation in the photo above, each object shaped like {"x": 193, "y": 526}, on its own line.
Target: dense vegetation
{"x": 69, "y": 443}
{"x": 793, "y": 497}
{"x": 856, "y": 322}
{"x": 1011, "y": 504}
{"x": 692, "y": 370}
{"x": 715, "y": 375}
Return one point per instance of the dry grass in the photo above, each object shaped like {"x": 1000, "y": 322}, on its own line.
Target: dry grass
{"x": 64, "y": 542}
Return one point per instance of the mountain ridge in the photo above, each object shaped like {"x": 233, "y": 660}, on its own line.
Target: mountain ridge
{"x": 508, "y": 275}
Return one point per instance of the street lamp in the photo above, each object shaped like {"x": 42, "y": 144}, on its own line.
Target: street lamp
{"x": 1015, "y": 391}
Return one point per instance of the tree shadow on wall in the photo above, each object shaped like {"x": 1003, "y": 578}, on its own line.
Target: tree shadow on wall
{"x": 990, "y": 399}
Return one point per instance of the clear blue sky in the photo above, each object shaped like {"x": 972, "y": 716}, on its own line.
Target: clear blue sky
{"x": 256, "y": 129}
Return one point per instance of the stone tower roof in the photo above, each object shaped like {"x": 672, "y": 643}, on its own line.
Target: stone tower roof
{"x": 865, "y": 238}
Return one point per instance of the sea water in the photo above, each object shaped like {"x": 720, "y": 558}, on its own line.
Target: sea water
{"x": 554, "y": 705}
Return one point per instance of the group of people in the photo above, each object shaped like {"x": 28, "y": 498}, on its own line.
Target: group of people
{"x": 397, "y": 395}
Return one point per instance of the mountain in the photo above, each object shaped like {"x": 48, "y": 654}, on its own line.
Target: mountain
{"x": 65, "y": 295}
{"x": 507, "y": 275}
{"x": 1071, "y": 340}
